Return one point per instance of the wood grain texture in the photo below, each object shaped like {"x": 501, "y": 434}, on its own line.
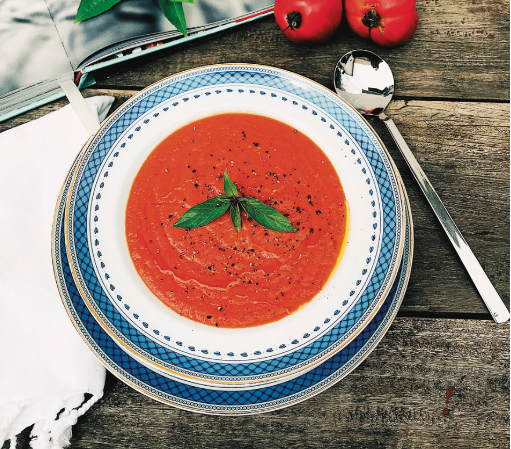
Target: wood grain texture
{"x": 460, "y": 50}
{"x": 394, "y": 399}
{"x": 464, "y": 149}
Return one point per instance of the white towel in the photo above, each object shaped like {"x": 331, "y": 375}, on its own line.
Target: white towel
{"x": 46, "y": 368}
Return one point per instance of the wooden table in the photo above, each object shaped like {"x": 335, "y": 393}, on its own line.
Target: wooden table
{"x": 452, "y": 107}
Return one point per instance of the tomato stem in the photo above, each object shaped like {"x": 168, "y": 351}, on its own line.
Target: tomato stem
{"x": 372, "y": 19}
{"x": 294, "y": 20}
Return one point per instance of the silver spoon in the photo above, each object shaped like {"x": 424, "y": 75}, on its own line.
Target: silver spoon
{"x": 366, "y": 82}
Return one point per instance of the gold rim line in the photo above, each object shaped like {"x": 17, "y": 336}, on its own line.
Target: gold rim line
{"x": 146, "y": 361}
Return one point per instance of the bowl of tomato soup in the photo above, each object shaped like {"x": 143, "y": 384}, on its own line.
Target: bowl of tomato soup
{"x": 211, "y": 302}
{"x": 213, "y": 274}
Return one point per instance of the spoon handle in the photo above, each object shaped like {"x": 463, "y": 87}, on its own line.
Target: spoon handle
{"x": 490, "y": 296}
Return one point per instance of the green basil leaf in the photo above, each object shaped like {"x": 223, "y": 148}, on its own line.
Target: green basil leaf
{"x": 236, "y": 216}
{"x": 266, "y": 216}
{"x": 174, "y": 13}
{"x": 202, "y": 214}
{"x": 229, "y": 187}
{"x": 92, "y": 8}
{"x": 224, "y": 198}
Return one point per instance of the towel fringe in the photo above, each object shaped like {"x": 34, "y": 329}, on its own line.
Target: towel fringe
{"x": 4, "y": 428}
{"x": 56, "y": 433}
{"x": 5, "y": 425}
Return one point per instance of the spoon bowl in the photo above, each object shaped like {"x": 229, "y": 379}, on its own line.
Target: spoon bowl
{"x": 365, "y": 81}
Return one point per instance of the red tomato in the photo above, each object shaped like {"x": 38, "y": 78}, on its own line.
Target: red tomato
{"x": 308, "y": 21}
{"x": 388, "y": 23}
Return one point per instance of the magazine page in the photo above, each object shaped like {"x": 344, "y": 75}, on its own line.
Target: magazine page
{"x": 31, "y": 50}
{"x": 135, "y": 18}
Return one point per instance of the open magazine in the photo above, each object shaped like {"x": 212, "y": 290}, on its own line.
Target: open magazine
{"x": 42, "y": 47}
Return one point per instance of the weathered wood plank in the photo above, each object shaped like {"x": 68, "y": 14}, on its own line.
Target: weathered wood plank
{"x": 464, "y": 149}
{"x": 395, "y": 399}
{"x": 460, "y": 50}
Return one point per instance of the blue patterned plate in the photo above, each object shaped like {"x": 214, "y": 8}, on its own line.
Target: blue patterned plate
{"x": 217, "y": 400}
{"x": 158, "y": 337}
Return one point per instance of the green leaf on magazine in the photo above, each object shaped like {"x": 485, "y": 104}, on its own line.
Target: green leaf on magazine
{"x": 93, "y": 8}
{"x": 202, "y": 214}
{"x": 266, "y": 216}
{"x": 229, "y": 187}
{"x": 173, "y": 11}
{"x": 236, "y": 216}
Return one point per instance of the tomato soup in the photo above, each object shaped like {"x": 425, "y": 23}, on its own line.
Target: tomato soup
{"x": 214, "y": 274}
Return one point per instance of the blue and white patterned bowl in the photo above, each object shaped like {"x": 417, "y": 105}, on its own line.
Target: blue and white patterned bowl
{"x": 160, "y": 338}
{"x": 219, "y": 400}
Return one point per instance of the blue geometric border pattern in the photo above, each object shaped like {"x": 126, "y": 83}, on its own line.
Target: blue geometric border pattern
{"x": 121, "y": 298}
{"x": 95, "y": 287}
{"x": 97, "y": 152}
{"x": 210, "y": 401}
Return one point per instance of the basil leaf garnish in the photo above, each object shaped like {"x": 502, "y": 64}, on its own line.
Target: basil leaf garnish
{"x": 202, "y": 214}
{"x": 266, "y": 215}
{"x": 229, "y": 187}
{"x": 209, "y": 210}
{"x": 236, "y": 216}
